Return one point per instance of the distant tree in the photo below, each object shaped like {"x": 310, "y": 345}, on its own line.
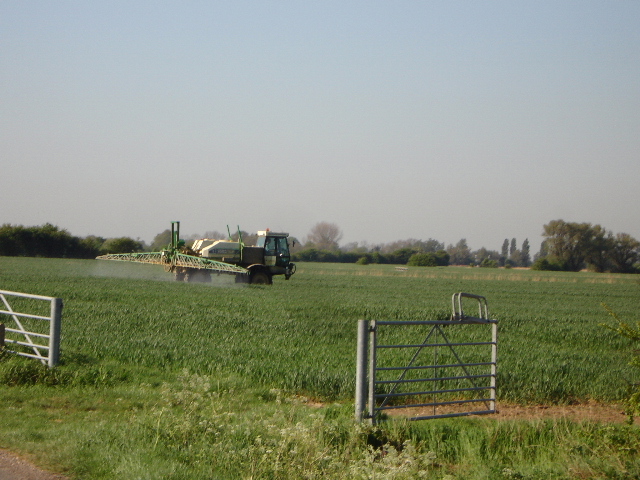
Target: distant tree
{"x": 308, "y": 254}
{"x": 312, "y": 254}
{"x": 460, "y": 253}
{"x": 568, "y": 243}
{"x": 161, "y": 241}
{"x": 442, "y": 258}
{"x": 247, "y": 238}
{"x": 483, "y": 254}
{"x": 625, "y": 253}
{"x": 432, "y": 245}
{"x": 325, "y": 236}
{"x": 353, "y": 247}
{"x": 504, "y": 252}
{"x": 430, "y": 259}
{"x": 525, "y": 255}
{"x": 294, "y": 245}
{"x": 122, "y": 245}
{"x": 480, "y": 255}
{"x": 488, "y": 263}
{"x": 418, "y": 246}
{"x": 364, "y": 260}
{"x": 543, "y": 252}
{"x": 516, "y": 258}
{"x": 92, "y": 245}
{"x": 400, "y": 256}
{"x": 422, "y": 260}
{"x": 543, "y": 263}
{"x": 599, "y": 246}
{"x": 505, "y": 248}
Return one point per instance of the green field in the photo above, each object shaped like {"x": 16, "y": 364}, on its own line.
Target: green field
{"x": 160, "y": 373}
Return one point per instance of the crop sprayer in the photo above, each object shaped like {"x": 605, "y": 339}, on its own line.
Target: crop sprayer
{"x": 255, "y": 264}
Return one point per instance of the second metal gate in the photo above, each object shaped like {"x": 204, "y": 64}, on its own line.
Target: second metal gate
{"x": 452, "y": 372}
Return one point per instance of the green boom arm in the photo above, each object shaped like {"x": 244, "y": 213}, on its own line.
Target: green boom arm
{"x": 171, "y": 258}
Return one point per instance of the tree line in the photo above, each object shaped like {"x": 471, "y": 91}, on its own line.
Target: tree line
{"x": 322, "y": 245}
{"x": 431, "y": 253}
{"x": 567, "y": 246}
{"x": 52, "y": 242}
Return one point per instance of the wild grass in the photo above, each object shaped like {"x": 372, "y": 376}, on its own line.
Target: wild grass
{"x": 171, "y": 380}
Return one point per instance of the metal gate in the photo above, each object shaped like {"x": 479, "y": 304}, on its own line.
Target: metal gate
{"x": 451, "y": 373}
{"x": 35, "y": 334}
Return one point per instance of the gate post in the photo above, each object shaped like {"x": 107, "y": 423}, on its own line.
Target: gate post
{"x": 361, "y": 370}
{"x": 372, "y": 370}
{"x": 494, "y": 364}
{"x": 54, "y": 331}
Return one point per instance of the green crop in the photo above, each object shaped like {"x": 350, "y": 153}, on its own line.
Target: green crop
{"x": 300, "y": 335}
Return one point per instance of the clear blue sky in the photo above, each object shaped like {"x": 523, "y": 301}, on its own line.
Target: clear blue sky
{"x": 392, "y": 119}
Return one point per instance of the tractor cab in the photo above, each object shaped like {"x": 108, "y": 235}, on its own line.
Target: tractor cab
{"x": 276, "y": 251}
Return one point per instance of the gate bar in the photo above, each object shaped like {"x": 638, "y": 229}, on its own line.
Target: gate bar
{"x": 420, "y": 345}
{"x": 451, "y": 415}
{"x": 430, "y": 392}
{"x": 417, "y": 380}
{"x": 433, "y": 404}
{"x": 464, "y": 321}
{"x": 452, "y": 365}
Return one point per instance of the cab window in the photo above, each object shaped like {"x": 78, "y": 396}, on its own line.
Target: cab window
{"x": 283, "y": 246}
{"x": 270, "y": 246}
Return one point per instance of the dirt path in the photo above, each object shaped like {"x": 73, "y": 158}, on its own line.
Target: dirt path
{"x": 594, "y": 412}
{"x": 13, "y": 467}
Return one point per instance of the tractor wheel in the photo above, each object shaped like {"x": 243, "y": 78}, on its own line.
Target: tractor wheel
{"x": 260, "y": 278}
{"x": 179, "y": 275}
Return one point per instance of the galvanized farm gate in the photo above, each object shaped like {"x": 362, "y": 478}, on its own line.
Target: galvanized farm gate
{"x": 451, "y": 373}
{"x": 32, "y": 335}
